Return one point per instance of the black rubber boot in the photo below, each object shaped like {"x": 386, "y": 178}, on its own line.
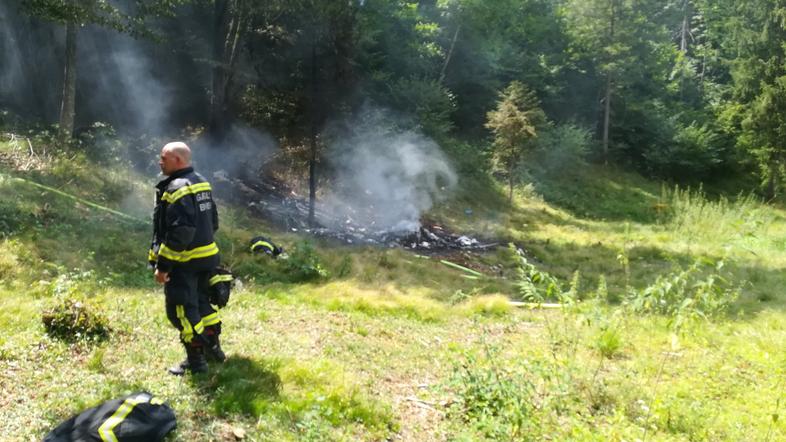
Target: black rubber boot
{"x": 195, "y": 362}
{"x": 213, "y": 349}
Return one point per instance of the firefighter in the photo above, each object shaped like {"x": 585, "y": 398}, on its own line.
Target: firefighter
{"x": 184, "y": 253}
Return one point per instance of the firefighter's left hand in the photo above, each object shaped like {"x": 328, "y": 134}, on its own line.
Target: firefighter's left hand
{"x": 161, "y": 277}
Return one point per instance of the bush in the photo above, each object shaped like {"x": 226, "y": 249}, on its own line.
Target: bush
{"x": 73, "y": 320}
{"x": 693, "y": 152}
{"x": 101, "y": 144}
{"x": 501, "y": 404}
{"x": 469, "y": 159}
{"x": 535, "y": 285}
{"x": 701, "y": 291}
{"x": 609, "y": 342}
{"x": 563, "y": 145}
{"x": 303, "y": 264}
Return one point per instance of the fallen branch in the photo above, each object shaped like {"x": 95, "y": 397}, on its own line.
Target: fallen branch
{"x": 30, "y": 146}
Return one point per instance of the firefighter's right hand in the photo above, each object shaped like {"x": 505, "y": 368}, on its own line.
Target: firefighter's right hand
{"x": 161, "y": 277}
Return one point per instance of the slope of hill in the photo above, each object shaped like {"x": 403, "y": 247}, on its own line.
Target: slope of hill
{"x": 668, "y": 325}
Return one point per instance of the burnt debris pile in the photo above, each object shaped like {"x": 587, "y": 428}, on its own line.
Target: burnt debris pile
{"x": 275, "y": 202}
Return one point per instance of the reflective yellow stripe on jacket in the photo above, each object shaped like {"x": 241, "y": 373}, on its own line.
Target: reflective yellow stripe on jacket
{"x": 220, "y": 278}
{"x": 106, "y": 430}
{"x": 211, "y": 319}
{"x": 263, "y": 244}
{"x": 187, "y": 255}
{"x": 183, "y": 191}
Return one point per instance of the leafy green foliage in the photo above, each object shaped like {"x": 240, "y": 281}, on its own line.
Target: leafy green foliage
{"x": 429, "y": 101}
{"x": 101, "y": 144}
{"x": 534, "y": 285}
{"x": 500, "y": 403}
{"x": 304, "y": 264}
{"x": 73, "y": 320}
{"x": 691, "y": 214}
{"x": 609, "y": 342}
{"x": 100, "y": 12}
{"x": 694, "y": 151}
{"x": 515, "y": 124}
{"x": 563, "y": 146}
{"x": 700, "y": 291}
{"x": 301, "y": 263}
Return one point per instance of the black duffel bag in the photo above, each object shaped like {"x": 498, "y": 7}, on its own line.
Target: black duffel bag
{"x": 138, "y": 417}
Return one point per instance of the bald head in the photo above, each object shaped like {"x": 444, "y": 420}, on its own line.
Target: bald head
{"x": 174, "y": 156}
{"x": 179, "y": 149}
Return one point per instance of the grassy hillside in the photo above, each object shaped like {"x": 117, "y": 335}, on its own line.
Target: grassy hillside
{"x": 671, "y": 325}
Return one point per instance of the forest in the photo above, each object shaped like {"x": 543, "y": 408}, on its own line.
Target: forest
{"x": 686, "y": 91}
{"x": 441, "y": 220}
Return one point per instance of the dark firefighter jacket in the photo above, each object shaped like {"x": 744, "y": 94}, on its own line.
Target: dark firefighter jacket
{"x": 184, "y": 220}
{"x": 138, "y": 417}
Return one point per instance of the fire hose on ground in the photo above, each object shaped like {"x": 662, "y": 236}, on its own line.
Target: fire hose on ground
{"x": 93, "y": 205}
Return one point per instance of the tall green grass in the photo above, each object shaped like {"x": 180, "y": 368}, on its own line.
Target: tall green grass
{"x": 691, "y": 215}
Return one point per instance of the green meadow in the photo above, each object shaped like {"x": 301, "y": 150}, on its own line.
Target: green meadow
{"x": 614, "y": 309}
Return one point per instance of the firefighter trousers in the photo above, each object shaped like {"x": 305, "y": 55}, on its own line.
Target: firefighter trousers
{"x": 188, "y": 307}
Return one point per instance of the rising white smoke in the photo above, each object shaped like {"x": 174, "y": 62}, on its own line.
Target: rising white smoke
{"x": 120, "y": 73}
{"x": 242, "y": 153}
{"x": 11, "y": 71}
{"x": 386, "y": 178}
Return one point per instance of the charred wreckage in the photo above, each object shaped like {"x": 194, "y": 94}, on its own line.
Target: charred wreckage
{"x": 271, "y": 199}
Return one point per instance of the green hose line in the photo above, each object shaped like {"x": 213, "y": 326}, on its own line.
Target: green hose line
{"x": 122, "y": 215}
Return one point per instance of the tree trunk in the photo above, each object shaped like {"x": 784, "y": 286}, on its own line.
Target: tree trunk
{"x": 685, "y": 31}
{"x": 510, "y": 184}
{"x": 607, "y": 100}
{"x": 68, "y": 103}
{"x": 312, "y": 162}
{"x": 450, "y": 54}
{"x": 606, "y": 119}
{"x": 229, "y": 26}
{"x": 684, "y": 35}
{"x": 343, "y": 29}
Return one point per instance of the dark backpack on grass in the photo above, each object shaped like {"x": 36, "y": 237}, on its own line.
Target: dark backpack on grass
{"x": 138, "y": 417}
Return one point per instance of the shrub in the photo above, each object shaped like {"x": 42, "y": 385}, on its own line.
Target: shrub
{"x": 101, "y": 144}
{"x": 533, "y": 284}
{"x": 303, "y": 264}
{"x": 609, "y": 342}
{"x": 73, "y": 320}
{"x": 700, "y": 291}
{"x": 563, "y": 145}
{"x": 695, "y": 151}
{"x": 498, "y": 403}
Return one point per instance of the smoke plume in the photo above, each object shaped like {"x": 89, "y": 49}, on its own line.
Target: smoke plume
{"x": 242, "y": 153}
{"x": 386, "y": 177}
